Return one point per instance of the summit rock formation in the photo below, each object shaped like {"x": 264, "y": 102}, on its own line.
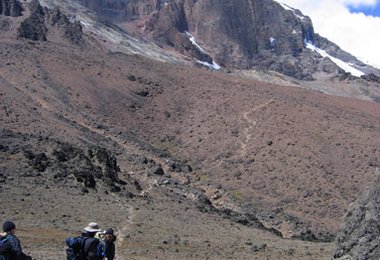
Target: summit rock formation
{"x": 242, "y": 34}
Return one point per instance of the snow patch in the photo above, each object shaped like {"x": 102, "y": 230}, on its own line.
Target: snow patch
{"x": 85, "y": 24}
{"x": 294, "y": 32}
{"x": 214, "y": 65}
{"x": 286, "y": 7}
{"x": 193, "y": 41}
{"x": 272, "y": 41}
{"x": 299, "y": 16}
{"x": 343, "y": 65}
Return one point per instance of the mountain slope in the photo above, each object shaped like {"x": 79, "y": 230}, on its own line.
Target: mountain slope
{"x": 243, "y": 34}
{"x": 145, "y": 34}
{"x": 192, "y": 146}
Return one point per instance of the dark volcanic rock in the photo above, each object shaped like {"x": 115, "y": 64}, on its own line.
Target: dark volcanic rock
{"x": 371, "y": 78}
{"x": 71, "y": 31}
{"x": 38, "y": 161}
{"x": 88, "y": 167}
{"x": 360, "y": 234}
{"x": 157, "y": 170}
{"x": 58, "y": 162}
{"x": 42, "y": 20}
{"x": 10, "y": 8}
{"x": 34, "y": 27}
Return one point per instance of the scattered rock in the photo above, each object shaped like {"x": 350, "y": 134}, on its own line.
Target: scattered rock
{"x": 132, "y": 78}
{"x": 142, "y": 159}
{"x": 157, "y": 170}
{"x": 39, "y": 161}
{"x": 143, "y": 93}
{"x": 258, "y": 248}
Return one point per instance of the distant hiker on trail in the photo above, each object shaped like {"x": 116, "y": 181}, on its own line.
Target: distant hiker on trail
{"x": 10, "y": 246}
{"x": 109, "y": 244}
{"x": 86, "y": 246}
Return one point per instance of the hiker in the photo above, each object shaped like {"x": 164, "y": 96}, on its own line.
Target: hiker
{"x": 86, "y": 246}
{"x": 10, "y": 246}
{"x": 109, "y": 244}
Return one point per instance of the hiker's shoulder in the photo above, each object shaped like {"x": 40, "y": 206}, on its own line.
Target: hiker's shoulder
{"x": 11, "y": 238}
{"x": 92, "y": 240}
{"x": 73, "y": 240}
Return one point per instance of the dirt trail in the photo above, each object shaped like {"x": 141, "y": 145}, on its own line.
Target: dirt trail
{"x": 150, "y": 183}
{"x": 247, "y": 133}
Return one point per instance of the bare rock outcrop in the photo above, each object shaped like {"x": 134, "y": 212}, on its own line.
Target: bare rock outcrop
{"x": 71, "y": 31}
{"x": 55, "y": 162}
{"x": 10, "y": 8}
{"x": 34, "y": 27}
{"x": 42, "y": 21}
{"x": 360, "y": 234}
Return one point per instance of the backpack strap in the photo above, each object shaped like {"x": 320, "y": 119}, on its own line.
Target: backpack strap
{"x": 82, "y": 249}
{"x": 5, "y": 244}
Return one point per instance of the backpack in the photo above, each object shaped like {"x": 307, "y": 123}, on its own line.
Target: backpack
{"x": 5, "y": 247}
{"x": 82, "y": 248}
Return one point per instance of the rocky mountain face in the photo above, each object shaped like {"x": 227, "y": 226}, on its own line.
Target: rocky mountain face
{"x": 203, "y": 161}
{"x": 360, "y": 234}
{"x": 43, "y": 22}
{"x": 241, "y": 34}
{"x": 10, "y": 8}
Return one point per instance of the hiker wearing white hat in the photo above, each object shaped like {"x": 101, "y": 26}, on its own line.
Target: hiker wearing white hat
{"x": 86, "y": 246}
{"x": 92, "y": 227}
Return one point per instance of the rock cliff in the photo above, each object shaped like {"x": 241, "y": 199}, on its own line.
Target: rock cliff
{"x": 360, "y": 234}
{"x": 10, "y": 8}
{"x": 41, "y": 21}
{"x": 241, "y": 34}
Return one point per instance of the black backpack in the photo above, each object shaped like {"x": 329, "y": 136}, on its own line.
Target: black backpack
{"x": 5, "y": 247}
{"x": 82, "y": 248}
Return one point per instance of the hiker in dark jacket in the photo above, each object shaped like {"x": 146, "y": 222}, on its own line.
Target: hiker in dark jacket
{"x": 89, "y": 246}
{"x": 11, "y": 244}
{"x": 109, "y": 244}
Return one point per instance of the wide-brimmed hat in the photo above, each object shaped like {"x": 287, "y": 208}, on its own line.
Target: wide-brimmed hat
{"x": 92, "y": 228}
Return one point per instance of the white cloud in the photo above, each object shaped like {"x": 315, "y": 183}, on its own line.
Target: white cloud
{"x": 353, "y": 32}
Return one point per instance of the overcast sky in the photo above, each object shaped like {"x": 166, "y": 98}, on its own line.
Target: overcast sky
{"x": 352, "y": 24}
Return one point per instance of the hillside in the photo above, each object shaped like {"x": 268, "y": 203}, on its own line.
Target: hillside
{"x": 168, "y": 153}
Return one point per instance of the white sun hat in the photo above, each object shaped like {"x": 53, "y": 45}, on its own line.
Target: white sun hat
{"x": 92, "y": 227}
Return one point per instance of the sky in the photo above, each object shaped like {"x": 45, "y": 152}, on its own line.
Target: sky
{"x": 354, "y": 25}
